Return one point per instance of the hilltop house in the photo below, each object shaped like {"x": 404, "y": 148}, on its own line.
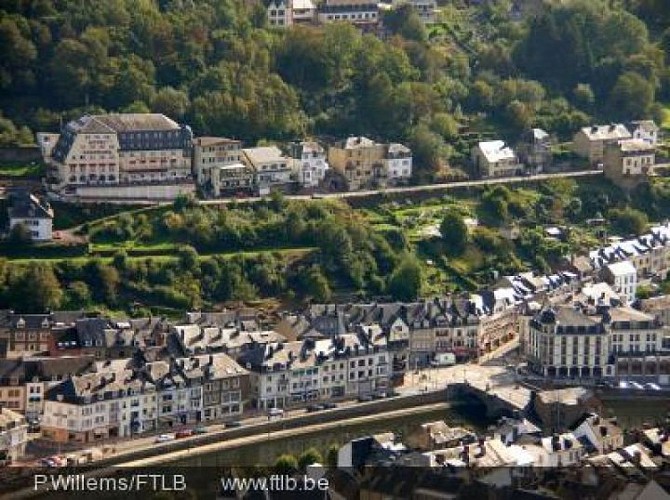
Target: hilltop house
{"x": 534, "y": 149}
{"x": 34, "y": 214}
{"x": 494, "y": 159}
{"x": 590, "y": 142}
{"x": 629, "y": 162}
{"x": 309, "y": 162}
{"x": 270, "y": 166}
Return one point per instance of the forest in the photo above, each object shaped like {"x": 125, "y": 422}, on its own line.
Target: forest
{"x": 216, "y": 65}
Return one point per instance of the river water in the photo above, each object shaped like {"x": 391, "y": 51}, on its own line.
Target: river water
{"x": 265, "y": 454}
{"x": 630, "y": 414}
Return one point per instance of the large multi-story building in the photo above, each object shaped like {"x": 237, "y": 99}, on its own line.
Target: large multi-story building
{"x": 588, "y": 340}
{"x": 360, "y": 12}
{"x": 365, "y": 163}
{"x": 209, "y": 153}
{"x": 121, "y": 149}
{"x": 271, "y": 167}
{"x": 121, "y": 398}
{"x": 629, "y": 162}
{"x": 590, "y": 142}
{"x": 294, "y": 372}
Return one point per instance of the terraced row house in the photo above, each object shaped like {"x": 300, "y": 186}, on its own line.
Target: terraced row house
{"x": 120, "y": 398}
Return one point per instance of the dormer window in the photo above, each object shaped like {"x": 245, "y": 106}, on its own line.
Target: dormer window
{"x": 21, "y": 323}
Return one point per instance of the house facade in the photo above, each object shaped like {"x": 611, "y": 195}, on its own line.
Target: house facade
{"x": 210, "y": 153}
{"x": 365, "y": 163}
{"x": 622, "y": 276}
{"x": 361, "y": 12}
{"x": 309, "y": 162}
{"x": 494, "y": 159}
{"x": 115, "y": 149}
{"x": 534, "y": 150}
{"x": 270, "y": 166}
{"x": 233, "y": 179}
{"x": 590, "y": 142}
{"x": 645, "y": 130}
{"x": 629, "y": 162}
{"x": 34, "y": 214}
{"x": 13, "y": 436}
{"x": 280, "y": 13}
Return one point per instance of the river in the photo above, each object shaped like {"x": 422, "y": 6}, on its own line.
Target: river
{"x": 629, "y": 413}
{"x": 265, "y": 454}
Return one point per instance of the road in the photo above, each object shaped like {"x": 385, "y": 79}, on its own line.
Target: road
{"x": 363, "y": 194}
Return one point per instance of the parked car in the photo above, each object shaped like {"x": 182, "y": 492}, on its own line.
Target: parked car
{"x": 201, "y": 429}
{"x": 164, "y": 438}
{"x": 652, "y": 386}
{"x": 313, "y": 408}
{"x": 624, "y": 385}
{"x": 232, "y": 424}
{"x": 47, "y": 462}
{"x": 364, "y": 398}
{"x": 329, "y": 405}
{"x": 275, "y": 412}
{"x": 635, "y": 385}
{"x": 183, "y": 433}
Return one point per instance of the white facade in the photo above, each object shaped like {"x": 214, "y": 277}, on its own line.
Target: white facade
{"x": 13, "y": 436}
{"x": 271, "y": 167}
{"x": 279, "y": 13}
{"x": 41, "y": 229}
{"x": 93, "y": 158}
{"x": 398, "y": 162}
{"x": 645, "y": 130}
{"x": 623, "y": 279}
{"x": 494, "y": 159}
{"x": 309, "y": 163}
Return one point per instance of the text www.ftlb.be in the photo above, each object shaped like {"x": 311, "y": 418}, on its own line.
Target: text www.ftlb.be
{"x": 274, "y": 482}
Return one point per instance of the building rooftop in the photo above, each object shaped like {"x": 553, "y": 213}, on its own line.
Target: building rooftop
{"x": 606, "y": 132}
{"x": 495, "y": 151}
{"x": 123, "y": 122}
{"x": 265, "y": 154}
{"x": 635, "y": 146}
{"x": 214, "y": 141}
{"x": 25, "y": 205}
{"x": 623, "y": 268}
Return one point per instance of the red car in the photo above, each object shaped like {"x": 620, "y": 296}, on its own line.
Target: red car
{"x": 183, "y": 433}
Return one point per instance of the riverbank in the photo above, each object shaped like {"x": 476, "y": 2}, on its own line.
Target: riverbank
{"x": 279, "y": 435}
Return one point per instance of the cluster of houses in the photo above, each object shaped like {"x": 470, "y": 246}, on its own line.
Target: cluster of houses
{"x": 625, "y": 152}
{"x": 149, "y": 156}
{"x": 593, "y": 456}
{"x": 364, "y": 14}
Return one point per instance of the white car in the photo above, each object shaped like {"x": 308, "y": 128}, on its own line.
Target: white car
{"x": 275, "y": 412}
{"x": 164, "y": 438}
{"x": 635, "y": 385}
{"x": 624, "y": 385}
{"x": 652, "y": 386}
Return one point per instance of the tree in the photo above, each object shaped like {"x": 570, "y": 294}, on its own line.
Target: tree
{"x": 171, "y": 102}
{"x": 628, "y": 221}
{"x": 286, "y": 464}
{"x": 631, "y": 96}
{"x": 316, "y": 285}
{"x": 188, "y": 257}
{"x": 331, "y": 456}
{"x": 79, "y": 295}
{"x": 406, "y": 281}
{"x": 308, "y": 457}
{"x": 38, "y": 289}
{"x": 454, "y": 232}
{"x": 20, "y": 234}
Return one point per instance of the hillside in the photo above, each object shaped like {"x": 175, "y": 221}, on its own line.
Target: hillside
{"x": 216, "y": 65}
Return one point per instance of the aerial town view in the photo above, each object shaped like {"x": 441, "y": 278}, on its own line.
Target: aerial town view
{"x": 335, "y": 249}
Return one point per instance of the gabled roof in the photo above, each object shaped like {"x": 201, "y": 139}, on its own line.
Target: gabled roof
{"x": 28, "y": 206}
{"x": 495, "y": 151}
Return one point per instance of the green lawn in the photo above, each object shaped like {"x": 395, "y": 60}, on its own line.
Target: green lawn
{"x": 30, "y": 171}
{"x": 291, "y": 252}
